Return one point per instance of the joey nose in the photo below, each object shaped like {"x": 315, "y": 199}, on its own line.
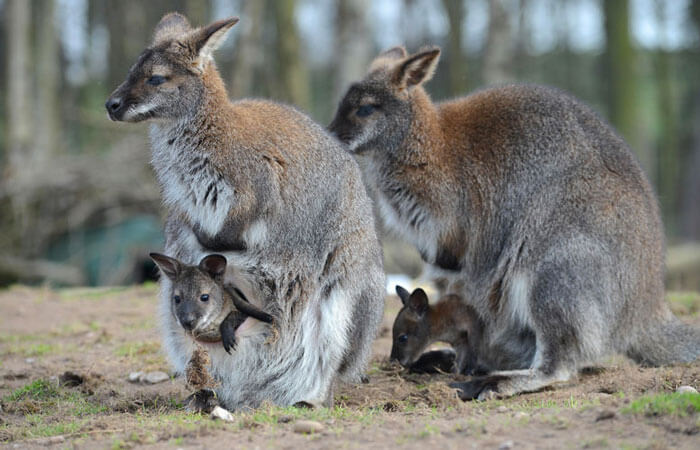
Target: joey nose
{"x": 188, "y": 323}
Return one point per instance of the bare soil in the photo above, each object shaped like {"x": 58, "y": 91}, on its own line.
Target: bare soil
{"x": 102, "y": 335}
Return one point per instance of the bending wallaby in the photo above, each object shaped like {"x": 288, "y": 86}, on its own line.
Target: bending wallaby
{"x": 201, "y": 300}
{"x": 450, "y": 320}
{"x": 264, "y": 185}
{"x": 531, "y": 207}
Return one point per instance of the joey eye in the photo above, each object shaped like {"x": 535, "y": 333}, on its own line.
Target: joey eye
{"x": 364, "y": 110}
{"x": 155, "y": 80}
{"x": 403, "y": 338}
{"x": 176, "y": 298}
{"x": 204, "y": 297}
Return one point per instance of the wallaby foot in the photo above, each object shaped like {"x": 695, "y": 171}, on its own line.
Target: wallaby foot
{"x": 228, "y": 330}
{"x": 202, "y": 401}
{"x": 435, "y": 361}
{"x": 507, "y": 383}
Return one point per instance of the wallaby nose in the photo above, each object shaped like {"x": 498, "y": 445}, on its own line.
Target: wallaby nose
{"x": 112, "y": 104}
{"x": 188, "y": 323}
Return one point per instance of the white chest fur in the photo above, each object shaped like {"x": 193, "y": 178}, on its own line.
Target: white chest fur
{"x": 190, "y": 182}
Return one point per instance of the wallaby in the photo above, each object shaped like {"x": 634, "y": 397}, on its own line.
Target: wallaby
{"x": 201, "y": 300}
{"x": 271, "y": 190}
{"x": 532, "y": 208}
{"x": 419, "y": 324}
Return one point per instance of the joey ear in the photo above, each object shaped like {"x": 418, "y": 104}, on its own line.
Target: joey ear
{"x": 418, "y": 301}
{"x": 171, "y": 267}
{"x": 402, "y": 293}
{"x": 417, "y": 69}
{"x": 214, "y": 265}
{"x": 398, "y": 52}
{"x": 207, "y": 39}
{"x": 171, "y": 25}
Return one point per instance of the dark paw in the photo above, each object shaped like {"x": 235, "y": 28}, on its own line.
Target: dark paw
{"x": 436, "y": 361}
{"x": 202, "y": 401}
{"x": 228, "y": 336}
{"x": 478, "y": 371}
{"x": 477, "y": 388}
{"x": 304, "y": 405}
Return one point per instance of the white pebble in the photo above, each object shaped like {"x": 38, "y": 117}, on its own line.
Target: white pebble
{"x": 220, "y": 413}
{"x": 686, "y": 390}
{"x": 135, "y": 377}
{"x": 307, "y": 426}
{"x": 155, "y": 377}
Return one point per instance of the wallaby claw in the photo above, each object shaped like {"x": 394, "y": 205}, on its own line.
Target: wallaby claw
{"x": 228, "y": 335}
{"x": 480, "y": 388}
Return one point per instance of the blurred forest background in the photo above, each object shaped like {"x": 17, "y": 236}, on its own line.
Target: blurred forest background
{"x": 80, "y": 205}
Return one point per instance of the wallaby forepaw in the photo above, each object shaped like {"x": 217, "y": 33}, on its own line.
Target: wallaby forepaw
{"x": 482, "y": 388}
{"x": 202, "y": 401}
{"x": 228, "y": 339}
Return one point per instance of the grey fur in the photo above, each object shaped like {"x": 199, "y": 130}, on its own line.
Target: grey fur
{"x": 542, "y": 219}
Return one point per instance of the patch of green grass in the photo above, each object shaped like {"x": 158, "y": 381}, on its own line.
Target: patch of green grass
{"x": 673, "y": 404}
{"x": 37, "y": 390}
{"x": 131, "y": 349}
{"x": 270, "y": 415}
{"x": 684, "y": 303}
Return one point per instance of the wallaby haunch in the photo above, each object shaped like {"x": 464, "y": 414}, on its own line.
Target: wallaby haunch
{"x": 270, "y": 189}
{"x": 201, "y": 300}
{"x": 530, "y": 207}
{"x": 450, "y": 320}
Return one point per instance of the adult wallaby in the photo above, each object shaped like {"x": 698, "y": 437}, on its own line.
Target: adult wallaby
{"x": 530, "y": 206}
{"x": 264, "y": 185}
{"x": 450, "y": 320}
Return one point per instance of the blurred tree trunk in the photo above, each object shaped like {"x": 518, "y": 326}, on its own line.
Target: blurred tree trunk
{"x": 620, "y": 64}
{"x": 19, "y": 112}
{"x": 249, "y": 49}
{"x": 353, "y": 46}
{"x": 48, "y": 81}
{"x": 457, "y": 69}
{"x": 291, "y": 67}
{"x": 197, "y": 11}
{"x": 668, "y": 174}
{"x": 498, "y": 53}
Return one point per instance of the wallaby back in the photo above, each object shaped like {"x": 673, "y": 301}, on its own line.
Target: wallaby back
{"x": 529, "y": 206}
{"x": 268, "y": 188}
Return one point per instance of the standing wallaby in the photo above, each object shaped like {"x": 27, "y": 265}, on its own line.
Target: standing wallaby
{"x": 267, "y": 187}
{"x": 450, "y": 320}
{"x": 206, "y": 308}
{"x": 532, "y": 209}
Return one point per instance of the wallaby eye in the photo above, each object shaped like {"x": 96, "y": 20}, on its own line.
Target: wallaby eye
{"x": 364, "y": 110}
{"x": 155, "y": 80}
{"x": 176, "y": 298}
{"x": 204, "y": 297}
{"x": 403, "y": 338}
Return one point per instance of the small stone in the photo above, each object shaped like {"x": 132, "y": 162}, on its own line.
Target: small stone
{"x": 307, "y": 427}
{"x": 507, "y": 445}
{"x": 605, "y": 415}
{"x": 155, "y": 377}
{"x": 520, "y": 415}
{"x": 220, "y": 413}
{"x": 686, "y": 390}
{"x": 30, "y": 360}
{"x": 502, "y": 409}
{"x": 135, "y": 377}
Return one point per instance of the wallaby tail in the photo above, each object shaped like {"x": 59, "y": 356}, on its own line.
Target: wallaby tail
{"x": 668, "y": 341}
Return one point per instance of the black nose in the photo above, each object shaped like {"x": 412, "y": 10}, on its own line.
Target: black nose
{"x": 113, "y": 104}
{"x": 188, "y": 324}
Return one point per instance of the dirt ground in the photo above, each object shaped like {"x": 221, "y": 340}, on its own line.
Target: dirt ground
{"x": 102, "y": 335}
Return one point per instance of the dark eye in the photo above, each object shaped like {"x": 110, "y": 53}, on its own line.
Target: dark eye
{"x": 364, "y": 110}
{"x": 403, "y": 338}
{"x": 155, "y": 80}
{"x": 204, "y": 297}
{"x": 177, "y": 299}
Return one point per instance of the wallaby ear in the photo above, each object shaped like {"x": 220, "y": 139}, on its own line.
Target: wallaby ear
{"x": 418, "y": 301}
{"x": 171, "y": 267}
{"x": 402, "y": 293}
{"x": 170, "y": 26}
{"x": 207, "y": 39}
{"x": 214, "y": 265}
{"x": 398, "y": 52}
{"x": 417, "y": 69}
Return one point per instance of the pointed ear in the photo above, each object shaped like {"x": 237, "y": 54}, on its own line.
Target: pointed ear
{"x": 207, "y": 39}
{"x": 418, "y": 301}
{"x": 402, "y": 293}
{"x": 398, "y": 52}
{"x": 214, "y": 265}
{"x": 170, "y": 26}
{"x": 171, "y": 267}
{"x": 417, "y": 69}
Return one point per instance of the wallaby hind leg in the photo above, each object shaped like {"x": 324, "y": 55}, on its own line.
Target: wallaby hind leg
{"x": 562, "y": 306}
